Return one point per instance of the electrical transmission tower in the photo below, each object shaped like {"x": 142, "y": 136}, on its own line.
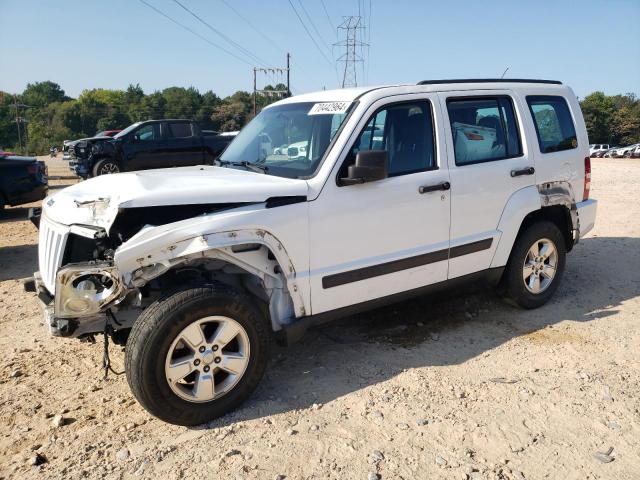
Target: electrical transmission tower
{"x": 351, "y": 31}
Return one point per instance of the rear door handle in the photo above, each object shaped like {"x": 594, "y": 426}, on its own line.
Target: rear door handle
{"x": 434, "y": 188}
{"x": 524, "y": 171}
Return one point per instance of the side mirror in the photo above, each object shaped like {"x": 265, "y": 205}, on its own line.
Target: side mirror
{"x": 370, "y": 165}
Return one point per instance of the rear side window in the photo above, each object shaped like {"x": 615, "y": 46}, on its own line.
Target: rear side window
{"x": 553, "y": 122}
{"x": 180, "y": 130}
{"x": 484, "y": 129}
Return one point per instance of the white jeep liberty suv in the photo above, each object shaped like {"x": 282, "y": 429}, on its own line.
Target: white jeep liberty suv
{"x": 324, "y": 205}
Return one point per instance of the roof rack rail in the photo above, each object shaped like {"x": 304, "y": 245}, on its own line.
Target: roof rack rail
{"x": 489, "y": 80}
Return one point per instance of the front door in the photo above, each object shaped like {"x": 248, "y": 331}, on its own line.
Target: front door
{"x": 488, "y": 163}
{"x": 392, "y": 235}
{"x": 145, "y": 148}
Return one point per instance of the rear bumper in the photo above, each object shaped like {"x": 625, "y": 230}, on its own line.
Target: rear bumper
{"x": 587, "y": 215}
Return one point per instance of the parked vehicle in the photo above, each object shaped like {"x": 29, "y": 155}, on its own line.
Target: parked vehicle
{"x": 22, "y": 180}
{"x": 146, "y": 145}
{"x": 602, "y": 153}
{"x": 627, "y": 151}
{"x": 598, "y": 147}
{"x": 635, "y": 153}
{"x": 402, "y": 190}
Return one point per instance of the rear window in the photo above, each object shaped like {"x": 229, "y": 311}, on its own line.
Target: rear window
{"x": 484, "y": 129}
{"x": 554, "y": 125}
{"x": 180, "y": 130}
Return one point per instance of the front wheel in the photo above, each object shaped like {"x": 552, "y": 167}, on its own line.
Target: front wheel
{"x": 536, "y": 265}
{"x": 105, "y": 167}
{"x": 197, "y": 354}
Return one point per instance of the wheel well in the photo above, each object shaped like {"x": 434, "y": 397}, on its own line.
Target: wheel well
{"x": 269, "y": 291}
{"x": 559, "y": 215}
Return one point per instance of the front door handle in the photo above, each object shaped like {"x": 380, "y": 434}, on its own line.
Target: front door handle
{"x": 434, "y": 188}
{"x": 524, "y": 171}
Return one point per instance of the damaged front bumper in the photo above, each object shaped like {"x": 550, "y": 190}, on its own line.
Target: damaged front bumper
{"x": 84, "y": 296}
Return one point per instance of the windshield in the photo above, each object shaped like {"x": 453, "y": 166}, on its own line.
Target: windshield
{"x": 289, "y": 140}
{"x": 127, "y": 130}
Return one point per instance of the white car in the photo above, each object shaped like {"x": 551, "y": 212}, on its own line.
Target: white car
{"x": 402, "y": 190}
{"x": 598, "y": 147}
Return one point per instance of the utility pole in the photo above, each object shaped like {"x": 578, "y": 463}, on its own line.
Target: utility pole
{"x": 270, "y": 70}
{"x": 255, "y": 91}
{"x": 15, "y": 104}
{"x": 349, "y": 29}
{"x": 288, "y": 75}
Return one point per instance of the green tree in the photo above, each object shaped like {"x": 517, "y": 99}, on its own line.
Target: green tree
{"x": 41, "y": 94}
{"x": 598, "y": 111}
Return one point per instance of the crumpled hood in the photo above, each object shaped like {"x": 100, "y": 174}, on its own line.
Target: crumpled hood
{"x": 97, "y": 201}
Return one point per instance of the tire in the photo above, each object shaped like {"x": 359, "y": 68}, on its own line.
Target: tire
{"x": 162, "y": 324}
{"x": 104, "y": 167}
{"x": 521, "y": 291}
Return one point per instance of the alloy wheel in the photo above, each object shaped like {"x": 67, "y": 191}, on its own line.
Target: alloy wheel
{"x": 207, "y": 359}
{"x": 540, "y": 266}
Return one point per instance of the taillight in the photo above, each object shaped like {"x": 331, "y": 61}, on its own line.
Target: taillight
{"x": 587, "y": 178}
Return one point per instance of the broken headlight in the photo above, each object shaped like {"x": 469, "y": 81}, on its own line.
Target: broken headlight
{"x": 83, "y": 290}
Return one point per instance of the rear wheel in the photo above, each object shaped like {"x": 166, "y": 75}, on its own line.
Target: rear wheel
{"x": 105, "y": 167}
{"x": 197, "y": 354}
{"x": 536, "y": 265}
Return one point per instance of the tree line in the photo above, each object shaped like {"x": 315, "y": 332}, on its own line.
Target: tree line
{"x": 43, "y": 115}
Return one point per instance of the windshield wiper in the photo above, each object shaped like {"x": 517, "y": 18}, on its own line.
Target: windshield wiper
{"x": 254, "y": 167}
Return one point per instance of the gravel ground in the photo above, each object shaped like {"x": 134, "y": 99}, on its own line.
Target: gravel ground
{"x": 460, "y": 386}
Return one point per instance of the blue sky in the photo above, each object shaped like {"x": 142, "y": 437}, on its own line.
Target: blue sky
{"x": 588, "y": 44}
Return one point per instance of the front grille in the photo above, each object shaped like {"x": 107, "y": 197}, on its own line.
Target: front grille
{"x": 52, "y": 241}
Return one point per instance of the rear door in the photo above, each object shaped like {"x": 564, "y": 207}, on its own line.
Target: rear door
{"x": 184, "y": 146}
{"x": 488, "y": 163}
{"x": 561, "y": 144}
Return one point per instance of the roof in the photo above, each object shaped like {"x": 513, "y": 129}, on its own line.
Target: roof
{"x": 351, "y": 94}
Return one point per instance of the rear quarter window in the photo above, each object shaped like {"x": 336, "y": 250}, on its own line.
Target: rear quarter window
{"x": 553, "y": 122}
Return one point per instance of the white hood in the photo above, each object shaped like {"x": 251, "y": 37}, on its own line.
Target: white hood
{"x": 97, "y": 201}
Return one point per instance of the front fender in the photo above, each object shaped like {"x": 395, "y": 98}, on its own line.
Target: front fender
{"x": 168, "y": 244}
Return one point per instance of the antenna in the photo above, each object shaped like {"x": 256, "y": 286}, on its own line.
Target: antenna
{"x": 504, "y": 73}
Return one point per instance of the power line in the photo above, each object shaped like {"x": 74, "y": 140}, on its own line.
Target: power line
{"x": 248, "y": 22}
{"x": 304, "y": 10}
{"x": 309, "y": 34}
{"x": 223, "y": 36}
{"x": 324, "y": 7}
{"x": 160, "y": 12}
{"x": 266, "y": 37}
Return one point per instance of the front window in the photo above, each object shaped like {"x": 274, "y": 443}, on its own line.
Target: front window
{"x": 127, "y": 130}
{"x": 289, "y": 140}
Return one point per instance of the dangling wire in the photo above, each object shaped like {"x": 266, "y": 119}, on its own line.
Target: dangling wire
{"x": 108, "y": 330}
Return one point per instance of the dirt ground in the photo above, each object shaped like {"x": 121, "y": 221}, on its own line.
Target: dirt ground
{"x": 458, "y": 386}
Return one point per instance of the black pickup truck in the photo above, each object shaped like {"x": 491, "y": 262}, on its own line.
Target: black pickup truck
{"x": 22, "y": 180}
{"x": 145, "y": 145}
